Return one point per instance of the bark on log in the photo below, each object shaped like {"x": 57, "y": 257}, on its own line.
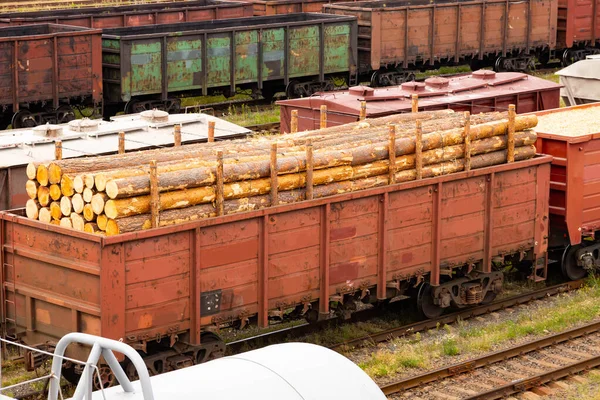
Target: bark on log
{"x": 88, "y": 213}
{"x": 55, "y": 211}
{"x": 31, "y": 187}
{"x": 55, "y": 192}
{"x": 77, "y": 222}
{"x": 99, "y": 202}
{"x": 32, "y": 208}
{"x": 43, "y": 195}
{"x": 65, "y": 206}
{"x": 66, "y": 186}
{"x": 65, "y": 222}
{"x": 101, "y": 220}
{"x": 77, "y": 203}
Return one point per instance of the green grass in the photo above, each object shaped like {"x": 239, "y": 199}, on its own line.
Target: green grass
{"x": 563, "y": 313}
{"x": 589, "y": 390}
{"x": 246, "y": 115}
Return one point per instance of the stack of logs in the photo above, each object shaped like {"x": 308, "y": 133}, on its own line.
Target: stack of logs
{"x": 140, "y": 190}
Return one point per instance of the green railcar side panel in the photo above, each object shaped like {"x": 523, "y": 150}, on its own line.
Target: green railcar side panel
{"x": 246, "y": 56}
{"x": 273, "y": 47}
{"x": 219, "y": 59}
{"x": 184, "y": 63}
{"x": 146, "y": 62}
{"x": 337, "y": 48}
{"x": 304, "y": 51}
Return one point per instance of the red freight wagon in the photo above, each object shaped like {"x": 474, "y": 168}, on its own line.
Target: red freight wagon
{"x": 165, "y": 290}
{"x": 572, "y": 136}
{"x": 482, "y": 91}
{"x": 43, "y": 68}
{"x": 578, "y": 30}
{"x": 276, "y": 7}
{"x": 133, "y": 15}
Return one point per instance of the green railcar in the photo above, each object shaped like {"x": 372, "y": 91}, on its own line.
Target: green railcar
{"x": 152, "y": 66}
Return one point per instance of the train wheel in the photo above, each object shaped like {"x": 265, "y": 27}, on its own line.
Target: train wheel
{"x": 134, "y": 107}
{"x": 569, "y": 266}
{"x": 64, "y": 114}
{"x": 213, "y": 348}
{"x": 291, "y": 90}
{"x": 23, "y": 119}
{"x": 107, "y": 377}
{"x": 425, "y": 303}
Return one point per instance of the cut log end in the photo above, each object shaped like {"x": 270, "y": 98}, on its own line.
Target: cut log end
{"x": 31, "y": 171}
{"x": 91, "y": 227}
{"x": 112, "y": 190}
{"x": 42, "y": 175}
{"x": 102, "y": 221}
{"x": 55, "y": 211}
{"x": 112, "y": 228}
{"x": 88, "y": 213}
{"x": 66, "y": 186}
{"x": 31, "y": 187}
{"x": 78, "y": 184}
{"x": 87, "y": 195}
{"x": 98, "y": 203}
{"x": 65, "y": 206}
{"x": 55, "y": 192}
{"x": 32, "y": 209}
{"x": 44, "y": 215}
{"x": 100, "y": 182}
{"x": 65, "y": 222}
{"x": 77, "y": 222}
{"x": 77, "y": 203}
{"x": 43, "y": 195}
{"x": 54, "y": 173}
{"x": 88, "y": 180}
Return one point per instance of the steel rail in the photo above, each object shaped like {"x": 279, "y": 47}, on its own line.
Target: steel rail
{"x": 463, "y": 314}
{"x": 501, "y": 355}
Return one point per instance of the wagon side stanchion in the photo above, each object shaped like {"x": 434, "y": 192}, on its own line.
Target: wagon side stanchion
{"x": 363, "y": 110}
{"x": 323, "y": 123}
{"x": 510, "y": 142}
{"x": 121, "y": 142}
{"x": 211, "y": 131}
{"x": 294, "y": 122}
{"x": 309, "y": 170}
{"x": 274, "y": 177}
{"x": 419, "y": 151}
{"x": 154, "y": 196}
{"x": 467, "y": 139}
{"x": 219, "y": 192}
{"x": 177, "y": 135}
{"x": 415, "y": 103}
{"x": 392, "y": 155}
{"x": 58, "y": 149}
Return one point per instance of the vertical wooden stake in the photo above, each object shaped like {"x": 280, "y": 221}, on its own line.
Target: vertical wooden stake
{"x": 467, "y": 139}
{"x": 415, "y": 103}
{"x": 363, "y": 110}
{"x": 323, "y": 117}
{"x": 392, "y": 155}
{"x": 154, "y": 196}
{"x": 219, "y": 190}
{"x": 211, "y": 131}
{"x": 419, "y": 151}
{"x": 294, "y": 122}
{"x": 177, "y": 135}
{"x": 274, "y": 178}
{"x": 58, "y": 149}
{"x": 510, "y": 154}
{"x": 309, "y": 170}
{"x": 121, "y": 142}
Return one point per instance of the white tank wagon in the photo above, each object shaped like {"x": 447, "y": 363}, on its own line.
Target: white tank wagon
{"x": 291, "y": 371}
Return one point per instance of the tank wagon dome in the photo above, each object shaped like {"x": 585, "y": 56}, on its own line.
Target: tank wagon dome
{"x": 291, "y": 371}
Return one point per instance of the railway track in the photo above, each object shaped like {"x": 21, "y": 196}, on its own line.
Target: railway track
{"x": 525, "y": 366}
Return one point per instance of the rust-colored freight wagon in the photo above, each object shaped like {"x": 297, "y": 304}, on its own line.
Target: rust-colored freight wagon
{"x": 482, "y": 91}
{"x": 134, "y": 15}
{"x": 164, "y": 290}
{"x": 276, "y": 7}
{"x": 572, "y": 136}
{"x": 45, "y": 67}
{"x": 578, "y": 29}
{"x": 398, "y": 36}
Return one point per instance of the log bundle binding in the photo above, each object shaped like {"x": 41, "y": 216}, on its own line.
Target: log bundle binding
{"x": 109, "y": 195}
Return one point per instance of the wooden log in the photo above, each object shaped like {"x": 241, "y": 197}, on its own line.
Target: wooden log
{"x": 392, "y": 155}
{"x": 112, "y": 228}
{"x": 55, "y": 192}
{"x": 31, "y": 171}
{"x": 121, "y": 143}
{"x": 78, "y": 184}
{"x": 91, "y": 227}
{"x": 274, "y": 172}
{"x": 32, "y": 209}
{"x": 65, "y": 206}
{"x": 211, "y": 131}
{"x": 55, "y": 211}
{"x": 87, "y": 195}
{"x": 44, "y": 215}
{"x": 88, "y": 213}
{"x": 31, "y": 188}
{"x": 54, "y": 173}
{"x": 77, "y": 203}
{"x": 58, "y": 149}
{"x": 98, "y": 203}
{"x": 294, "y": 122}
{"x": 177, "y": 135}
{"x": 55, "y": 222}
{"x": 363, "y": 111}
{"x": 42, "y": 175}
{"x": 309, "y": 171}
{"x": 101, "y": 221}
{"x": 323, "y": 122}
{"x": 154, "y": 196}
{"x": 415, "y": 103}
{"x": 65, "y": 222}
{"x": 418, "y": 149}
{"x": 219, "y": 189}
{"x": 467, "y": 141}
{"x": 510, "y": 154}
{"x": 43, "y": 195}
{"x": 66, "y": 186}
{"x": 77, "y": 222}
{"x": 88, "y": 180}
